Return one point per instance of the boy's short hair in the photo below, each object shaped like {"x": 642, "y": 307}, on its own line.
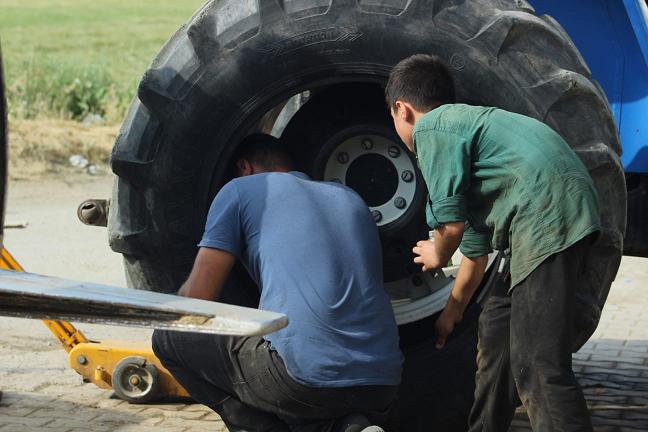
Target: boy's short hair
{"x": 422, "y": 80}
{"x": 263, "y": 150}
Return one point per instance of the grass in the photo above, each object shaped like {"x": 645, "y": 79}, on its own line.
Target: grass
{"x": 69, "y": 58}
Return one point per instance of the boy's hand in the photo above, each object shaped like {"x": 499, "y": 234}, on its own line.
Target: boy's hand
{"x": 446, "y": 322}
{"x": 427, "y": 255}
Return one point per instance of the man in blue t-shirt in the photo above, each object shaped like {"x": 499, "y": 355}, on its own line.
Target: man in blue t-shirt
{"x": 314, "y": 251}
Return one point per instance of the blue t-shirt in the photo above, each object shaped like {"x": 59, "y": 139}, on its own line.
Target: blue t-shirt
{"x": 313, "y": 248}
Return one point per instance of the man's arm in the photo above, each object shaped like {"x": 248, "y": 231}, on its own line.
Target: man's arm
{"x": 209, "y": 273}
{"x": 470, "y": 274}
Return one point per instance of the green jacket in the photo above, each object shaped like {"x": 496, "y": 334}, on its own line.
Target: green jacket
{"x": 515, "y": 181}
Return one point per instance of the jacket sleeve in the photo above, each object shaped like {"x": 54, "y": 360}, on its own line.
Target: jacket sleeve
{"x": 475, "y": 243}
{"x": 444, "y": 159}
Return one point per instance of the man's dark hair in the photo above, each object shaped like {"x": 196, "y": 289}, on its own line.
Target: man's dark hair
{"x": 263, "y": 150}
{"x": 422, "y": 80}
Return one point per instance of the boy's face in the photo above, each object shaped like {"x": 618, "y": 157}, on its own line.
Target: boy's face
{"x": 403, "y": 123}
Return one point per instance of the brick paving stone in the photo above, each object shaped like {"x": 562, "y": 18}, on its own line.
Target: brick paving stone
{"x": 169, "y": 406}
{"x": 627, "y": 352}
{"x": 207, "y": 428}
{"x": 23, "y": 428}
{"x": 607, "y": 399}
{"x": 196, "y": 407}
{"x": 638, "y": 344}
{"x": 8, "y": 419}
{"x": 16, "y": 412}
{"x": 577, "y": 368}
{"x": 139, "y": 428}
{"x": 121, "y": 419}
{"x": 21, "y": 402}
{"x": 83, "y": 415}
{"x": 189, "y": 415}
{"x": 581, "y": 356}
{"x": 629, "y": 372}
{"x": 178, "y": 422}
{"x": 630, "y": 366}
{"x": 212, "y": 416}
{"x": 96, "y": 425}
{"x": 113, "y": 403}
{"x": 640, "y": 425}
{"x": 603, "y": 352}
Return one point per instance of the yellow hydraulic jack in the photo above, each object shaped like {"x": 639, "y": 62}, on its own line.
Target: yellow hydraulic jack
{"x": 129, "y": 368}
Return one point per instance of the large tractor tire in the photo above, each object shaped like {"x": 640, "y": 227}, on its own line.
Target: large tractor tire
{"x": 228, "y": 72}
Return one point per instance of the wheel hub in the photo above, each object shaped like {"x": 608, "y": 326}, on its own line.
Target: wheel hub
{"x": 379, "y": 170}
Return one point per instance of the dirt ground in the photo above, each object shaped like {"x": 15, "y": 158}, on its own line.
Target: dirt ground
{"x": 41, "y": 149}
{"x": 42, "y": 393}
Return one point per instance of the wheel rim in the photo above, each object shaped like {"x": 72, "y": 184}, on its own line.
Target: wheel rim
{"x": 379, "y": 170}
{"x": 135, "y": 381}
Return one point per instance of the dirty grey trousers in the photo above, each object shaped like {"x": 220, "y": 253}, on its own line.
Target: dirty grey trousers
{"x": 246, "y": 383}
{"x": 525, "y": 350}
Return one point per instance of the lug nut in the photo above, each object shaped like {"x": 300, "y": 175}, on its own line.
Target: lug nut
{"x": 343, "y": 157}
{"x": 394, "y": 151}
{"x": 400, "y": 203}
{"x": 367, "y": 144}
{"x": 407, "y": 176}
{"x": 376, "y": 215}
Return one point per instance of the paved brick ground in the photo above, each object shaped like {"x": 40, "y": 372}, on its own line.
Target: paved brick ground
{"x": 612, "y": 368}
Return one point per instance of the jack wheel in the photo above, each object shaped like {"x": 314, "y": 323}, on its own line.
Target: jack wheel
{"x": 135, "y": 381}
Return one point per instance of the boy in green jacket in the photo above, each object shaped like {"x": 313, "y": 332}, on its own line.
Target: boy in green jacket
{"x": 503, "y": 181}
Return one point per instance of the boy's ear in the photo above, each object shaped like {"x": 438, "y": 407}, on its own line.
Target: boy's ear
{"x": 405, "y": 112}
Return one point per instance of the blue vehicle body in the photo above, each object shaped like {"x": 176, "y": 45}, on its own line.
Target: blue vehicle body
{"x": 612, "y": 36}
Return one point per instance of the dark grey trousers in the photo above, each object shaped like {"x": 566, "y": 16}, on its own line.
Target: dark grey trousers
{"x": 524, "y": 351}
{"x": 247, "y": 384}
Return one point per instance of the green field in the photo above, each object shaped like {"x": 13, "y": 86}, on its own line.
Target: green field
{"x": 68, "y": 58}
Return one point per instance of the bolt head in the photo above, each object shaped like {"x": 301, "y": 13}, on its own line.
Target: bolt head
{"x": 407, "y": 176}
{"x": 134, "y": 380}
{"x": 394, "y": 151}
{"x": 376, "y": 215}
{"x": 82, "y": 360}
{"x": 367, "y": 144}
{"x": 343, "y": 157}
{"x": 400, "y": 203}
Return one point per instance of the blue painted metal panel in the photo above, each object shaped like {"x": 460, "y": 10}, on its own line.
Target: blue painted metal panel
{"x": 612, "y": 36}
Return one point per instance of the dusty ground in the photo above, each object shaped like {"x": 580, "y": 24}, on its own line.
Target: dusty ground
{"x": 41, "y": 149}
{"x": 42, "y": 393}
